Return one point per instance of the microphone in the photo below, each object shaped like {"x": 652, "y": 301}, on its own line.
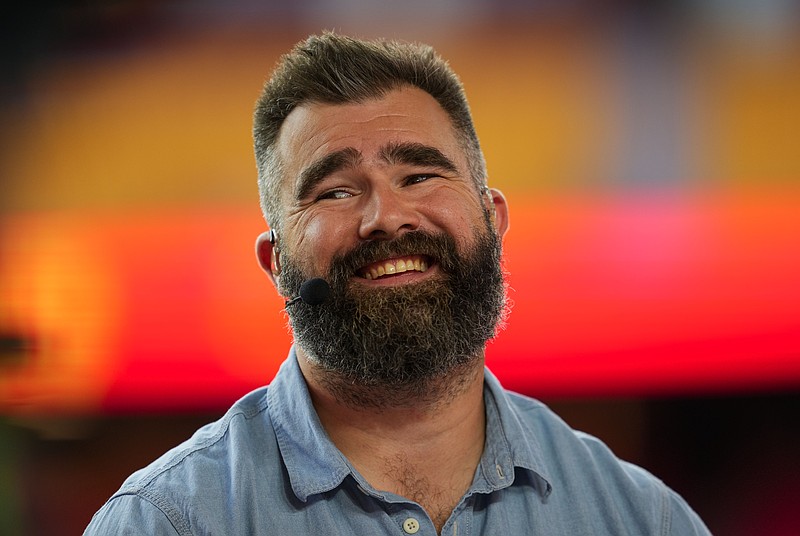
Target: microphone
{"x": 312, "y": 292}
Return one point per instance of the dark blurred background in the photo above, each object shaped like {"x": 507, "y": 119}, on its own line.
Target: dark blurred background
{"x": 648, "y": 151}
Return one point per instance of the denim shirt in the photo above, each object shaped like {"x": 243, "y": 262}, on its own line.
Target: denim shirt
{"x": 268, "y": 468}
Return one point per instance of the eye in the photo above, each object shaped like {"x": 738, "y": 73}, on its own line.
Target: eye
{"x": 334, "y": 194}
{"x": 419, "y": 177}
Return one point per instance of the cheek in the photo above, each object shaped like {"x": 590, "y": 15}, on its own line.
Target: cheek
{"x": 459, "y": 218}
{"x": 321, "y": 238}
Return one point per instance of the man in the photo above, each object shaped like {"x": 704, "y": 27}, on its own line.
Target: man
{"x": 383, "y": 419}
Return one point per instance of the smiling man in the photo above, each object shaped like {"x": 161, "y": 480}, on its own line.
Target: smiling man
{"x": 384, "y": 419}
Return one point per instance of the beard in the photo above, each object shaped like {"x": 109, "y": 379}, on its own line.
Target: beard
{"x": 390, "y": 346}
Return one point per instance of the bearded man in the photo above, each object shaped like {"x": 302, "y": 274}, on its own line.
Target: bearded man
{"x": 384, "y": 419}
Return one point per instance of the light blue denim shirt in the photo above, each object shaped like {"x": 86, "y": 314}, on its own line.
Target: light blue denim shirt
{"x": 268, "y": 468}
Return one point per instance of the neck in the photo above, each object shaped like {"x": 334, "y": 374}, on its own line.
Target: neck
{"x": 439, "y": 435}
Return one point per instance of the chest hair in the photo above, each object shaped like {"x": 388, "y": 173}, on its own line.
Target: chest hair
{"x": 438, "y": 499}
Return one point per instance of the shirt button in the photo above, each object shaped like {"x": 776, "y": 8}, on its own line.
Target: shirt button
{"x": 411, "y": 525}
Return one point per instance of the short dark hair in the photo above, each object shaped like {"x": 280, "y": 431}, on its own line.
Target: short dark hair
{"x": 336, "y": 69}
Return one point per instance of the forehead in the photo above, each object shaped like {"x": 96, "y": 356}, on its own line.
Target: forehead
{"x": 408, "y": 114}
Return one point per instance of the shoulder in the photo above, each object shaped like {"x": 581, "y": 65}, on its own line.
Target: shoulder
{"x": 213, "y": 447}
{"x": 583, "y": 471}
{"x": 215, "y": 466}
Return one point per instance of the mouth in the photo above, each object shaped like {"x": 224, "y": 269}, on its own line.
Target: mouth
{"x": 395, "y": 266}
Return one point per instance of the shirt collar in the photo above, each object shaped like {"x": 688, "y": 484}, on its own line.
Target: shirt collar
{"x": 315, "y": 465}
{"x": 509, "y": 445}
{"x": 313, "y": 462}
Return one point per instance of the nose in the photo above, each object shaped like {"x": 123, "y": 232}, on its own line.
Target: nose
{"x": 387, "y": 215}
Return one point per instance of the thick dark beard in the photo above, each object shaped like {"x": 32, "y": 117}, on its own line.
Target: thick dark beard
{"x": 393, "y": 346}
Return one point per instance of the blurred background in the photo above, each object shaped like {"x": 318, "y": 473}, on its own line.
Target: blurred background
{"x": 649, "y": 152}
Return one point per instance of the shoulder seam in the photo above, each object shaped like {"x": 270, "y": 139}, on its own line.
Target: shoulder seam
{"x": 162, "y": 505}
{"x": 168, "y": 509}
{"x": 666, "y": 512}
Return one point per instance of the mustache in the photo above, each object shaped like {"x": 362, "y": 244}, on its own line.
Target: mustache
{"x": 439, "y": 247}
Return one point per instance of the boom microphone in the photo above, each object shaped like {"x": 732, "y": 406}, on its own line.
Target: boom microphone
{"x": 312, "y": 292}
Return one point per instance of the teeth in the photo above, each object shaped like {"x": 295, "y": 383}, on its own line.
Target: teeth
{"x": 395, "y": 267}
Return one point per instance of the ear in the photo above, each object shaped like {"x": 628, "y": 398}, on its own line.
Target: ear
{"x": 268, "y": 255}
{"x": 498, "y": 208}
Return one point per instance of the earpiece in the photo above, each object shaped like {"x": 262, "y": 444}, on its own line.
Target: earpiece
{"x": 275, "y": 262}
{"x": 489, "y": 201}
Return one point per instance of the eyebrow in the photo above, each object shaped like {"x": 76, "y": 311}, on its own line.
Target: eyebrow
{"x": 346, "y": 158}
{"x": 415, "y": 154}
